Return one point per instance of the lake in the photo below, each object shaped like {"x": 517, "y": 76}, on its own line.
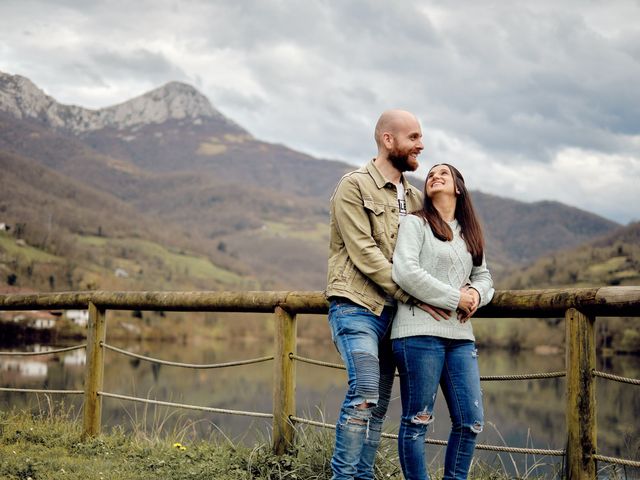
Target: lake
{"x": 525, "y": 413}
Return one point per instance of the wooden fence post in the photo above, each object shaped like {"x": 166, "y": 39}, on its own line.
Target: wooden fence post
{"x": 581, "y": 395}
{"x": 284, "y": 380}
{"x": 94, "y": 372}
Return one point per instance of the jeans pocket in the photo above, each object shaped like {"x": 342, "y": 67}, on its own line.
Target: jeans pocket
{"x": 343, "y": 308}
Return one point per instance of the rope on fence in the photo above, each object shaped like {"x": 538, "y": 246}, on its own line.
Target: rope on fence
{"x": 527, "y": 376}
{"x": 619, "y": 461}
{"x": 495, "y": 448}
{"x": 293, "y": 356}
{"x": 184, "y": 405}
{"x": 34, "y": 390}
{"x": 632, "y": 381}
{"x": 489, "y": 378}
{"x": 185, "y": 365}
{"x": 48, "y": 352}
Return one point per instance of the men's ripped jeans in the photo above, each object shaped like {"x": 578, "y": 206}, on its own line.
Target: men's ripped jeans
{"x": 424, "y": 362}
{"x": 362, "y": 338}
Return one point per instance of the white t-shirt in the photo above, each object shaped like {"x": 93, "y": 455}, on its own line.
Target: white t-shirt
{"x": 402, "y": 211}
{"x": 402, "y": 202}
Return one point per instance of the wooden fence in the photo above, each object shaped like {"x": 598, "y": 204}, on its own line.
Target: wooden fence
{"x": 579, "y": 307}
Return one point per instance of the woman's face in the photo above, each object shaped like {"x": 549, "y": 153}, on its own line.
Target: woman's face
{"x": 440, "y": 181}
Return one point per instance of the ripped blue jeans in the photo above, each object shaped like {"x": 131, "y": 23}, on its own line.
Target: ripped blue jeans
{"x": 424, "y": 362}
{"x": 362, "y": 338}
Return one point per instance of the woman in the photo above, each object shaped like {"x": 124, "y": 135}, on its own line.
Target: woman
{"x": 439, "y": 260}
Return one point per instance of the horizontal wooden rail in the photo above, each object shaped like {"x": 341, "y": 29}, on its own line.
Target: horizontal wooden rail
{"x": 601, "y": 301}
{"x": 254, "y": 302}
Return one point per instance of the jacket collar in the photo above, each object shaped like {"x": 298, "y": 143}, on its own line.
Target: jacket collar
{"x": 381, "y": 181}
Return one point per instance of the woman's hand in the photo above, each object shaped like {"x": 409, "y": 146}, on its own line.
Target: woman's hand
{"x": 469, "y": 302}
{"x": 465, "y": 304}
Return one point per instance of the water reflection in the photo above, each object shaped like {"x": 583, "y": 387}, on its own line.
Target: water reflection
{"x": 27, "y": 369}
{"x": 527, "y": 413}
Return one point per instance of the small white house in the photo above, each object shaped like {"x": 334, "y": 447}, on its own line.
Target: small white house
{"x": 36, "y": 319}
{"x": 79, "y": 317}
{"x": 121, "y": 273}
{"x": 43, "y": 323}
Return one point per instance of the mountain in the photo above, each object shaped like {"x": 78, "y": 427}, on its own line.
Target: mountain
{"x": 612, "y": 259}
{"x": 167, "y": 167}
{"x": 169, "y": 129}
{"x": 527, "y": 230}
{"x": 173, "y": 101}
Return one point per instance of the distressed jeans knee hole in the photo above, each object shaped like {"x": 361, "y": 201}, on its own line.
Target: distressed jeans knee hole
{"x": 477, "y": 427}
{"x": 356, "y": 421}
{"x": 422, "y": 418}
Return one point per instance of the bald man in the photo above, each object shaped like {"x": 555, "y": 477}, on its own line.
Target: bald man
{"x": 365, "y": 210}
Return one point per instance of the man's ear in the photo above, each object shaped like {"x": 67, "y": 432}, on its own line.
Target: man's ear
{"x": 387, "y": 139}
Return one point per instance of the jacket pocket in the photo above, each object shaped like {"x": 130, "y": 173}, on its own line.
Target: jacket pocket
{"x": 376, "y": 208}
{"x": 376, "y": 217}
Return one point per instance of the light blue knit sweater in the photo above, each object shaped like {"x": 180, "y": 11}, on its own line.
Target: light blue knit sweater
{"x": 433, "y": 271}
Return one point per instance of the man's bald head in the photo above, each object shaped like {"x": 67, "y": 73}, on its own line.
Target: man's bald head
{"x": 391, "y": 121}
{"x": 399, "y": 138}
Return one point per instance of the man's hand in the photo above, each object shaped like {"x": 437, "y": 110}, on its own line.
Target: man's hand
{"x": 435, "y": 312}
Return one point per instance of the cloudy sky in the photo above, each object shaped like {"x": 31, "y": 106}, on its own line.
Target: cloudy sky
{"x": 530, "y": 99}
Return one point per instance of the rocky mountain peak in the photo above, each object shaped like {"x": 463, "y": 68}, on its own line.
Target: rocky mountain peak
{"x": 172, "y": 101}
{"x": 21, "y": 98}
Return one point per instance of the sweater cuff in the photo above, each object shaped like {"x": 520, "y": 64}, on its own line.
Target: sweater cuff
{"x": 453, "y": 299}
{"x": 486, "y": 294}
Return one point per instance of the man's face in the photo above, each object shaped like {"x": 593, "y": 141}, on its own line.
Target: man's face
{"x": 406, "y": 146}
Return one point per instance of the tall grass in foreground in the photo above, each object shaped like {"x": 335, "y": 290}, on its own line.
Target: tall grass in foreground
{"x": 48, "y": 445}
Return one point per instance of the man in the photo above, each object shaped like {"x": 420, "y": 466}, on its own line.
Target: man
{"x": 365, "y": 210}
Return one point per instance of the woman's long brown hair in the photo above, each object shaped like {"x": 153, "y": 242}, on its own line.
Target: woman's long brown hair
{"x": 465, "y": 214}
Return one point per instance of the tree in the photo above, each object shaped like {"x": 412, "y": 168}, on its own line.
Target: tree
{"x": 19, "y": 231}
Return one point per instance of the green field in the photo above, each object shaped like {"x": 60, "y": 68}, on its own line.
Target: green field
{"x": 25, "y": 253}
{"x": 132, "y": 253}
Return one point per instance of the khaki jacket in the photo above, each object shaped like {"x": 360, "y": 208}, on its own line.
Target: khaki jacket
{"x": 363, "y": 231}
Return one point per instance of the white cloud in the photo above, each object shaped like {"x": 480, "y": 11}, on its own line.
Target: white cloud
{"x": 606, "y": 184}
{"x": 517, "y": 87}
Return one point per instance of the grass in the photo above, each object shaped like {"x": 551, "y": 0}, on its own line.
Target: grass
{"x": 49, "y": 445}
{"x": 318, "y": 232}
{"x": 27, "y": 252}
{"x": 608, "y": 266}
{"x": 179, "y": 262}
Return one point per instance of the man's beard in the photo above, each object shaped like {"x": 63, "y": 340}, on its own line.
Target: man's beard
{"x": 400, "y": 160}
